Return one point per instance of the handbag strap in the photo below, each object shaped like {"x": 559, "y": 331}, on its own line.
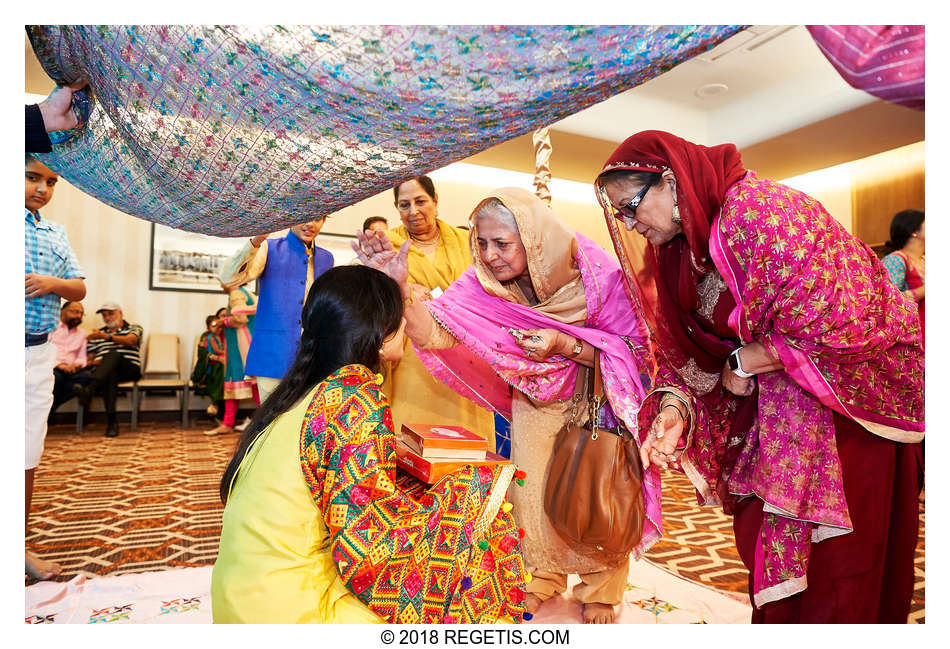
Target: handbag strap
{"x": 595, "y": 385}
{"x": 582, "y": 387}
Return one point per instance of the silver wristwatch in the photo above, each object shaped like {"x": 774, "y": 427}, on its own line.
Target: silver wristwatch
{"x": 736, "y": 366}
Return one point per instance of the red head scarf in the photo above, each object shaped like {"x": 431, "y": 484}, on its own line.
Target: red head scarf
{"x": 663, "y": 279}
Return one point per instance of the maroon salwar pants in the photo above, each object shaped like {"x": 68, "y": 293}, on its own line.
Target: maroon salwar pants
{"x": 866, "y": 576}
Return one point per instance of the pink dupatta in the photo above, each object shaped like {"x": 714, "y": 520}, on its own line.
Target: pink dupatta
{"x": 488, "y": 363}
{"x": 823, "y": 304}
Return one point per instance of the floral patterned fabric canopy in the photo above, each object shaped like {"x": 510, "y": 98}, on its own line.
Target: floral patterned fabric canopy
{"x": 243, "y": 130}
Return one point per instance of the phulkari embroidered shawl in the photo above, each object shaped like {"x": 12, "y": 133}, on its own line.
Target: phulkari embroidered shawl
{"x": 821, "y": 302}
{"x": 478, "y": 311}
{"x": 411, "y": 553}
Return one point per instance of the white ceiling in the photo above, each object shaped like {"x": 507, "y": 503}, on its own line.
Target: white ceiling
{"x": 778, "y": 81}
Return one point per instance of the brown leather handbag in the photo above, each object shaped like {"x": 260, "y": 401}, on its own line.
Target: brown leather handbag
{"x": 593, "y": 495}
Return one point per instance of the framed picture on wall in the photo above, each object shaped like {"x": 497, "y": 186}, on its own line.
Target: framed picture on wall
{"x": 339, "y": 245}
{"x": 188, "y": 261}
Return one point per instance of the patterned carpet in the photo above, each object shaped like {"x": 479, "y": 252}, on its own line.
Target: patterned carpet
{"x": 148, "y": 500}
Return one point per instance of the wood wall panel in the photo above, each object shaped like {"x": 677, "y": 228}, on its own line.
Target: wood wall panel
{"x": 883, "y": 185}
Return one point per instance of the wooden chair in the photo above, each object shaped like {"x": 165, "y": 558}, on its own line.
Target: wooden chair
{"x": 161, "y": 374}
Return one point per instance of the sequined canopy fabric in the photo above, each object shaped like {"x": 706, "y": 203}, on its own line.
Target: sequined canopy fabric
{"x": 886, "y": 61}
{"x": 241, "y": 130}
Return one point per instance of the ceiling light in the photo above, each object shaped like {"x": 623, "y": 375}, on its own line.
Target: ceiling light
{"x": 711, "y": 90}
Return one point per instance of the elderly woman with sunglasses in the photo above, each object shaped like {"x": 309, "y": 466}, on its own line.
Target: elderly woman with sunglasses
{"x": 793, "y": 366}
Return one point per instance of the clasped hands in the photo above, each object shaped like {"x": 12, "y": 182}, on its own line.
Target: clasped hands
{"x": 540, "y": 344}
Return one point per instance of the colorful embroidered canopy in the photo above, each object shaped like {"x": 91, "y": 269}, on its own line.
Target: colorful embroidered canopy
{"x": 243, "y": 130}
{"x": 886, "y": 61}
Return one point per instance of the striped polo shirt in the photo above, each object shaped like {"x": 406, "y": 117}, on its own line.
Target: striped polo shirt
{"x": 99, "y": 348}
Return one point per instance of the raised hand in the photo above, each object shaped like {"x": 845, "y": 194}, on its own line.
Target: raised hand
{"x": 376, "y": 251}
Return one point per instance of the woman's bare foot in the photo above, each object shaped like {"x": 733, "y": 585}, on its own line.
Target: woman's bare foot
{"x": 222, "y": 429}
{"x": 41, "y": 568}
{"x": 531, "y": 603}
{"x": 597, "y": 613}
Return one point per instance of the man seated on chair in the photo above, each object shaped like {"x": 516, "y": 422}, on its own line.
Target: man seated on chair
{"x": 113, "y": 354}
{"x": 70, "y": 342}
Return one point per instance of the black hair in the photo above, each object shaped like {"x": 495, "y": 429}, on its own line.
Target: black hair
{"x": 904, "y": 224}
{"x": 640, "y": 177}
{"x": 67, "y": 303}
{"x": 375, "y": 219}
{"x": 348, "y": 313}
{"x": 210, "y": 319}
{"x": 217, "y": 314}
{"x": 426, "y": 183}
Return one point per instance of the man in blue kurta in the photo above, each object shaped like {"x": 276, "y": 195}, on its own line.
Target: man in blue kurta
{"x": 285, "y": 268}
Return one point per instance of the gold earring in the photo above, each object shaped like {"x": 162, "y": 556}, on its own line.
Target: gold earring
{"x": 676, "y": 213}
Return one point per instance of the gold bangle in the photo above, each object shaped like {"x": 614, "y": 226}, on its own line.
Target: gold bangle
{"x": 670, "y": 398}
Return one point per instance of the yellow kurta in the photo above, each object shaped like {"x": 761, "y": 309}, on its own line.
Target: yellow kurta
{"x": 417, "y": 397}
{"x": 274, "y": 563}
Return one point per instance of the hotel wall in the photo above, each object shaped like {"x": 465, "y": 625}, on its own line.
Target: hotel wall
{"x": 113, "y": 250}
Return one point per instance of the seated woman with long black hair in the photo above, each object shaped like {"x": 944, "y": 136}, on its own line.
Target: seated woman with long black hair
{"x": 317, "y": 525}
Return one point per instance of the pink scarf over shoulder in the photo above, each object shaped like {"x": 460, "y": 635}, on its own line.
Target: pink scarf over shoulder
{"x": 488, "y": 363}
{"x": 822, "y": 303}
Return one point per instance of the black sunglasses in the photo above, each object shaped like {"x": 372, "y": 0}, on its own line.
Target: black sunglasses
{"x": 630, "y": 209}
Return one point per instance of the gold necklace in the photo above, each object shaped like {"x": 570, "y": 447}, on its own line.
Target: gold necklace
{"x": 431, "y": 243}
